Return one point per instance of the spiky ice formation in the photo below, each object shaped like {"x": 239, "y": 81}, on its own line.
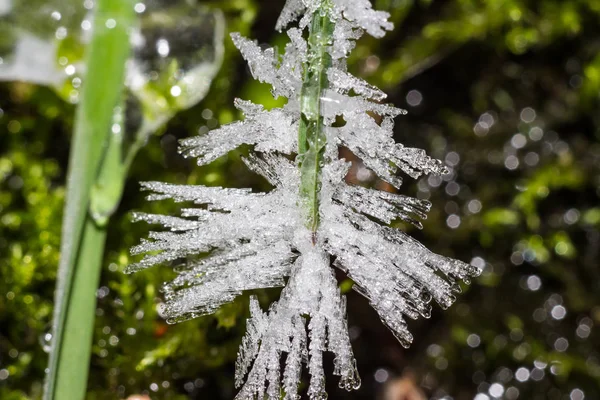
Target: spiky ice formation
{"x": 237, "y": 240}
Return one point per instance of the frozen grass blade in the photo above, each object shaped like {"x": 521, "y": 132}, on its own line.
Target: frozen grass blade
{"x": 311, "y": 138}
{"x": 290, "y": 236}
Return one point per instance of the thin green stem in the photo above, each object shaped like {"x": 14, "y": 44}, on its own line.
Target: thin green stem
{"x": 74, "y": 358}
{"x": 82, "y": 241}
{"x": 311, "y": 137}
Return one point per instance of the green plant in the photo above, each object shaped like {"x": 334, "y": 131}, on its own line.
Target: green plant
{"x": 83, "y": 236}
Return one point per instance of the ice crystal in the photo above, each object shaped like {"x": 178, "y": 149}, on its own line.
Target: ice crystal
{"x": 237, "y": 240}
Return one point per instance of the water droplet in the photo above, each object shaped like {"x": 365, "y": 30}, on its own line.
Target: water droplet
{"x": 46, "y": 342}
{"x": 139, "y": 8}
{"x": 162, "y": 47}
{"x": 175, "y": 91}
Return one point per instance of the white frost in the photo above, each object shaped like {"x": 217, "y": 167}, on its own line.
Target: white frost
{"x": 235, "y": 240}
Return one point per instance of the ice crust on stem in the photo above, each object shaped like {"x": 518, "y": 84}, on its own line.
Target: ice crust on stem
{"x": 235, "y": 240}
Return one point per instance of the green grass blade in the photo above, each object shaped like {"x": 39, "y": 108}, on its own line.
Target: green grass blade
{"x": 105, "y": 60}
{"x": 311, "y": 136}
{"x": 74, "y": 357}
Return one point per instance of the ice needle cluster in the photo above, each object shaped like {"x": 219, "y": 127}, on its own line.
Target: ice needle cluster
{"x": 236, "y": 240}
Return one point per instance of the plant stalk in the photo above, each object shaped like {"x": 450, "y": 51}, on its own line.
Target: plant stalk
{"x": 311, "y": 137}
{"x": 82, "y": 241}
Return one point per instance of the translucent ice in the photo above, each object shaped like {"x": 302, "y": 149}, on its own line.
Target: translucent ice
{"x": 235, "y": 240}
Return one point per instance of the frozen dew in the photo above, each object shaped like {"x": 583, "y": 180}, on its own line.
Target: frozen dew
{"x": 528, "y": 115}
{"x": 584, "y": 328}
{"x": 518, "y": 141}
{"x": 534, "y": 283}
{"x": 74, "y": 96}
{"x": 537, "y": 374}
{"x": 522, "y": 374}
{"x": 61, "y": 33}
{"x": 88, "y": 4}
{"x": 381, "y": 375}
{"x": 175, "y": 91}
{"x": 371, "y": 64}
{"x": 207, "y": 114}
{"x": 453, "y": 221}
{"x": 561, "y": 248}
{"x": 558, "y": 312}
{"x": 154, "y": 387}
{"x": 571, "y": 216}
{"x": 253, "y": 240}
{"x": 511, "y": 162}
{"x": 540, "y": 364}
{"x": 116, "y": 128}
{"x": 481, "y": 396}
{"x": 4, "y": 374}
{"x": 487, "y": 120}
{"x": 532, "y": 159}
{"x": 189, "y": 387}
{"x": 474, "y": 206}
{"x": 478, "y": 263}
{"x": 496, "y": 390}
{"x": 561, "y": 344}
{"x": 110, "y": 23}
{"x": 162, "y": 47}
{"x": 435, "y": 350}
{"x": 481, "y": 129}
{"x": 414, "y": 98}
{"x": 536, "y": 133}
{"x": 102, "y": 292}
{"x": 556, "y": 368}
{"x": 70, "y": 70}
{"x": 577, "y": 394}
{"x": 483, "y": 125}
{"x": 452, "y": 188}
{"x": 473, "y": 340}
{"x": 434, "y": 180}
{"x": 46, "y": 342}
{"x": 363, "y": 174}
{"x": 452, "y": 159}
{"x": 139, "y": 7}
{"x": 86, "y": 25}
{"x": 512, "y": 393}
{"x": 56, "y": 15}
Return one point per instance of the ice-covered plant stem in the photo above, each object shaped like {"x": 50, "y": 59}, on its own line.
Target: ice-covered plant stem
{"x": 237, "y": 240}
{"x": 311, "y": 137}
